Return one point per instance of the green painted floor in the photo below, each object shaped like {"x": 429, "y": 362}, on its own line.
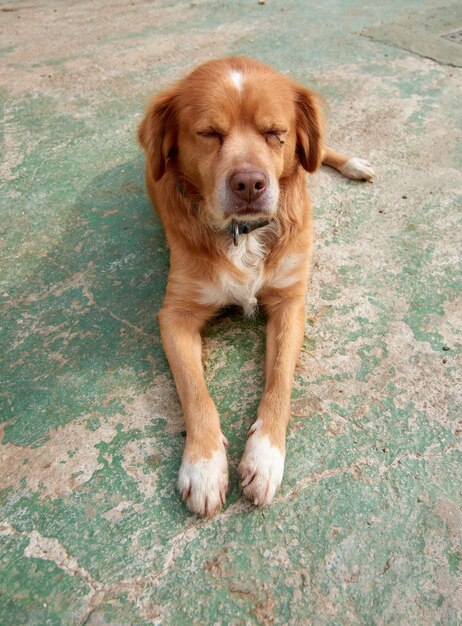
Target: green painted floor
{"x": 367, "y": 526}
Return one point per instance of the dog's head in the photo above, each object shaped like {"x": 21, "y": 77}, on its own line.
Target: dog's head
{"x": 233, "y": 129}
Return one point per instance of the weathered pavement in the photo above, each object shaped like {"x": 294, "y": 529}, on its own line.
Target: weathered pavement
{"x": 367, "y": 526}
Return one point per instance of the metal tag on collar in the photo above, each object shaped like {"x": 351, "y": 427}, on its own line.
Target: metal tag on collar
{"x": 236, "y": 233}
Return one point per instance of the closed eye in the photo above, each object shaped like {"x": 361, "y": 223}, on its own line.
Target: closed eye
{"x": 275, "y": 134}
{"x": 211, "y": 133}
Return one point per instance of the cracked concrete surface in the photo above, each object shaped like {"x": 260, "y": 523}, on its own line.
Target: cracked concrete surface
{"x": 367, "y": 526}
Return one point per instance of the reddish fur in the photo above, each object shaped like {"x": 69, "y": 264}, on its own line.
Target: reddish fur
{"x": 199, "y": 253}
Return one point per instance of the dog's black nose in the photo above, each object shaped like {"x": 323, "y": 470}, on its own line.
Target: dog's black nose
{"x": 248, "y": 186}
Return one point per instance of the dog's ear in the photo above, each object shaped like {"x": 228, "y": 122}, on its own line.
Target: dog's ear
{"x": 158, "y": 132}
{"x": 310, "y": 128}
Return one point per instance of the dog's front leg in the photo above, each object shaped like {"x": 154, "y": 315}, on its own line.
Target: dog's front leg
{"x": 203, "y": 477}
{"x": 262, "y": 465}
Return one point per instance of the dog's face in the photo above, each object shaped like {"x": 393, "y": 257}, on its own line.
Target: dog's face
{"x": 234, "y": 129}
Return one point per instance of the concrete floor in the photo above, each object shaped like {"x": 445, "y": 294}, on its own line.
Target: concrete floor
{"x": 367, "y": 526}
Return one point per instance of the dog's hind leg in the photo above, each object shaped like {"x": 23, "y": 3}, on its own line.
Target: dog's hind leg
{"x": 351, "y": 167}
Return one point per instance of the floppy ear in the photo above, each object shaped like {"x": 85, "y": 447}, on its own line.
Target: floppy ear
{"x": 310, "y": 128}
{"x": 158, "y": 131}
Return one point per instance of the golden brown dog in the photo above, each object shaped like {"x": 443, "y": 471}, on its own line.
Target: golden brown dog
{"x": 227, "y": 149}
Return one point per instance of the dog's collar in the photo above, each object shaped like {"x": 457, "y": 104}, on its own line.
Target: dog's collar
{"x": 235, "y": 228}
{"x": 243, "y": 228}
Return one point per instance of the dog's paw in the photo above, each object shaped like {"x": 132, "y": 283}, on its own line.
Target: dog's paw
{"x": 261, "y": 467}
{"x": 203, "y": 483}
{"x": 358, "y": 169}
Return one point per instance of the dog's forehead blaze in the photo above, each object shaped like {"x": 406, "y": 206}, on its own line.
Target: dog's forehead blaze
{"x": 223, "y": 100}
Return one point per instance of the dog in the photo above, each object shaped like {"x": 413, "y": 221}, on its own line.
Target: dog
{"x": 227, "y": 148}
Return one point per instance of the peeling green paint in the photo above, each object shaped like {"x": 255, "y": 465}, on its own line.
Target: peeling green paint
{"x": 366, "y": 527}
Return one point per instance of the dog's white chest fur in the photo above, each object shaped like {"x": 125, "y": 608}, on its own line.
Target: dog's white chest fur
{"x": 248, "y": 257}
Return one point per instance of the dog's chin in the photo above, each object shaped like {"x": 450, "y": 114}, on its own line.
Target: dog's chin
{"x": 246, "y": 214}
{"x": 220, "y": 224}
{"x": 221, "y": 215}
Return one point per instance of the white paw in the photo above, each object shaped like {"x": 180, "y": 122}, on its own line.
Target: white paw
{"x": 357, "y": 169}
{"x": 261, "y": 467}
{"x": 203, "y": 483}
